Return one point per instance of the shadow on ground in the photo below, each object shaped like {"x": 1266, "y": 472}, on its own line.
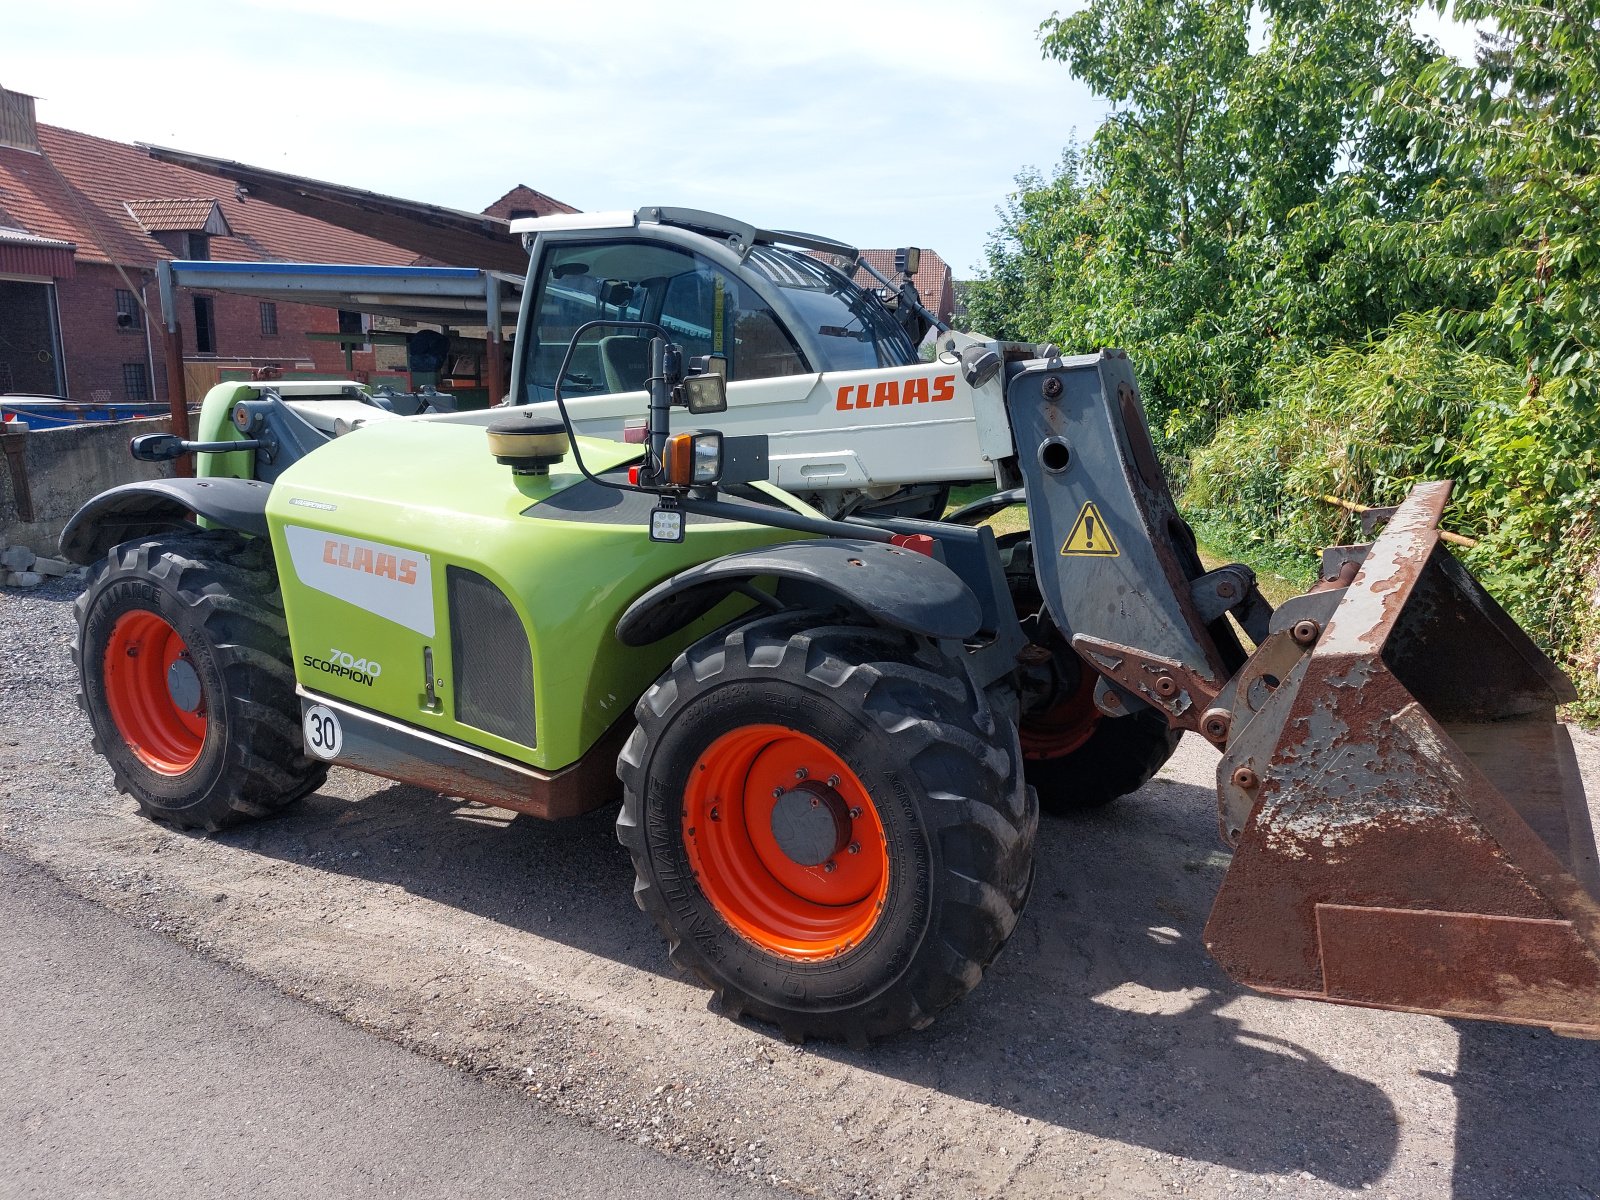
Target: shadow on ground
{"x": 1104, "y": 1015}
{"x": 1516, "y": 1089}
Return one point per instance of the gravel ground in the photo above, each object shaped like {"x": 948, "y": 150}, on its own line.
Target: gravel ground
{"x": 1105, "y": 1055}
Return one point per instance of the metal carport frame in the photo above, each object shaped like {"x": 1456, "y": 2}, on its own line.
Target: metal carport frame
{"x": 436, "y": 295}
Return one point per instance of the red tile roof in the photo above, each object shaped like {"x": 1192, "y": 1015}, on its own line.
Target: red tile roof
{"x": 84, "y": 201}
{"x": 176, "y": 216}
{"x": 524, "y": 200}
{"x": 35, "y": 198}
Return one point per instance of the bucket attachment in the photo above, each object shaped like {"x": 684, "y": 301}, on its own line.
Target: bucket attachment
{"x": 1410, "y": 826}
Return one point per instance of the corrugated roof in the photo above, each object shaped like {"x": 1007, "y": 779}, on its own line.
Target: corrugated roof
{"x": 23, "y": 253}
{"x": 438, "y": 234}
{"x": 177, "y": 216}
{"x": 20, "y": 237}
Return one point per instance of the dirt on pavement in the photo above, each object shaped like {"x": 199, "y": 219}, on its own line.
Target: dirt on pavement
{"x": 1105, "y": 1055}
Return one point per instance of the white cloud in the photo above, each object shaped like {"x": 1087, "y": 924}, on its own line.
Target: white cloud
{"x": 879, "y": 123}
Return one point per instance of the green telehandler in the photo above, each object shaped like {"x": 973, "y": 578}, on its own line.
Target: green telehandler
{"x": 834, "y": 714}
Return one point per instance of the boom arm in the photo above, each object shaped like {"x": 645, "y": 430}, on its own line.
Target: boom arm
{"x": 1116, "y": 564}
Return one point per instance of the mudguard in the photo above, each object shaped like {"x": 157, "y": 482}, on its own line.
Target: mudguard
{"x": 892, "y": 585}
{"x": 136, "y": 510}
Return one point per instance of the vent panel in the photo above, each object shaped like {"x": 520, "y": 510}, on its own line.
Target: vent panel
{"x": 493, "y": 664}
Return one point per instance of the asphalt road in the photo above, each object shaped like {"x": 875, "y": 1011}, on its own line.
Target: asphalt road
{"x": 1104, "y": 1055}
{"x": 130, "y": 1066}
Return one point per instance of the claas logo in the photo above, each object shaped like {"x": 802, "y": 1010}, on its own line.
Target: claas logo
{"x": 360, "y": 558}
{"x": 918, "y": 390}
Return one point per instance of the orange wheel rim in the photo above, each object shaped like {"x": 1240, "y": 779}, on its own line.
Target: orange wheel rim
{"x": 149, "y": 678}
{"x": 785, "y": 842}
{"x": 1065, "y": 725}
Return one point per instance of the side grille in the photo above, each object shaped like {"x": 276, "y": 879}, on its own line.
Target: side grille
{"x": 493, "y": 662}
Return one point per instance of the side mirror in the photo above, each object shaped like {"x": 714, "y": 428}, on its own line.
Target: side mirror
{"x": 156, "y": 447}
{"x": 706, "y": 393}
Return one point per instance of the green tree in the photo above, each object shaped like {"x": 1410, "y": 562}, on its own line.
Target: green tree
{"x": 1517, "y": 217}
{"x": 1203, "y": 224}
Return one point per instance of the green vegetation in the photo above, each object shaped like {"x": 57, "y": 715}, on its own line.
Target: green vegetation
{"x": 1344, "y": 263}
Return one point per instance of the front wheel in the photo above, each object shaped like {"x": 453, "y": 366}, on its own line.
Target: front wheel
{"x": 828, "y": 823}
{"x": 184, "y": 670}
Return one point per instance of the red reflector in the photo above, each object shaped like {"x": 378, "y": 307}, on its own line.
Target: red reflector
{"x": 920, "y": 542}
{"x": 635, "y": 434}
{"x": 633, "y": 475}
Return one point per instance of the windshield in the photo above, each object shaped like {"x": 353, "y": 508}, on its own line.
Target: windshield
{"x": 854, "y": 331}
{"x": 704, "y": 308}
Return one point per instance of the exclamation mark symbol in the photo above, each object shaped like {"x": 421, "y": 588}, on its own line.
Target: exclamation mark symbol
{"x": 1088, "y": 531}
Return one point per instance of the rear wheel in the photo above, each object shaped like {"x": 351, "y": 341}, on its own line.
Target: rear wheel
{"x": 1120, "y": 757}
{"x": 1076, "y": 756}
{"x": 183, "y": 665}
{"x": 829, "y": 825}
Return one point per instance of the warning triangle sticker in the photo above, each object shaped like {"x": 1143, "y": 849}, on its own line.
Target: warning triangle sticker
{"x": 1089, "y": 535}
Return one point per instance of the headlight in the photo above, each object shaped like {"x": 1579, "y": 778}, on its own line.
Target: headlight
{"x": 694, "y": 459}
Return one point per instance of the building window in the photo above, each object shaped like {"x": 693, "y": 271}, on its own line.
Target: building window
{"x": 352, "y": 323}
{"x": 269, "y": 319}
{"x": 135, "y": 382}
{"x": 205, "y": 325}
{"x": 129, "y": 318}
{"x": 199, "y": 246}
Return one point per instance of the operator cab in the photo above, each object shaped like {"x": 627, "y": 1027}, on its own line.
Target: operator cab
{"x": 763, "y": 302}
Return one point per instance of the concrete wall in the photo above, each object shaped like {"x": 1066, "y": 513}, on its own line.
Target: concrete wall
{"x": 65, "y": 467}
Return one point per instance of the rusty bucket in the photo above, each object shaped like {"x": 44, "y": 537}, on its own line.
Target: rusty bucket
{"x": 1417, "y": 835}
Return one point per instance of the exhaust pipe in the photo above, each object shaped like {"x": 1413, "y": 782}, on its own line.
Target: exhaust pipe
{"x": 1410, "y": 825}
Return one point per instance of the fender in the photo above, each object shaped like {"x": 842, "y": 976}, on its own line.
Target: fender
{"x": 896, "y": 587}
{"x": 151, "y": 506}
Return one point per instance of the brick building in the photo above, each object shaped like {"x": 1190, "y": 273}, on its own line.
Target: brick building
{"x": 84, "y": 220}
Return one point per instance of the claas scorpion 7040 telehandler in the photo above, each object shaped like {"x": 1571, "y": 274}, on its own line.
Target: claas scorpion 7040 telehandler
{"x": 834, "y": 716}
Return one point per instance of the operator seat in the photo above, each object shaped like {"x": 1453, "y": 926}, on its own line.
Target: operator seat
{"x": 625, "y": 359}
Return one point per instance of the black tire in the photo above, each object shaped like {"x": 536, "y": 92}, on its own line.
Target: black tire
{"x": 218, "y": 591}
{"x": 1120, "y": 757}
{"x": 942, "y": 771}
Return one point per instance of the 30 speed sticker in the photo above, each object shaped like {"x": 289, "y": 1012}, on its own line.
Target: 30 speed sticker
{"x": 323, "y": 736}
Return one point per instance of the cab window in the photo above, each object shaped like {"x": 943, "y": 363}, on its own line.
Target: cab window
{"x": 701, "y": 306}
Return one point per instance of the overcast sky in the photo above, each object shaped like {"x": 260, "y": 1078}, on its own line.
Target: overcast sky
{"x": 879, "y": 122}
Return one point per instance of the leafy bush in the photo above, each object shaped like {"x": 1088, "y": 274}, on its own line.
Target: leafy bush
{"x": 1343, "y": 262}
{"x": 1363, "y": 423}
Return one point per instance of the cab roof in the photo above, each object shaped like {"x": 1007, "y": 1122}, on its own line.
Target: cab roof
{"x": 742, "y": 237}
